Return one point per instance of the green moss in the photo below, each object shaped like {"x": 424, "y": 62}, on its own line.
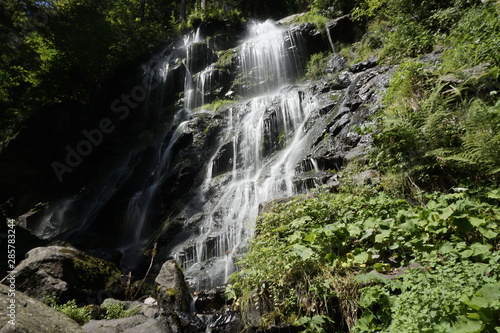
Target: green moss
{"x": 226, "y": 59}
{"x": 94, "y": 273}
{"x": 312, "y": 17}
{"x": 217, "y": 104}
{"x": 171, "y": 292}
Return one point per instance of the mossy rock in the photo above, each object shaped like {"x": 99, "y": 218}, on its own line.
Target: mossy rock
{"x": 67, "y": 273}
{"x": 94, "y": 273}
{"x": 32, "y": 315}
{"x": 172, "y": 290}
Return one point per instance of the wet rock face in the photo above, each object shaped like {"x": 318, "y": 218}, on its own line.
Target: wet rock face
{"x": 211, "y": 300}
{"x": 198, "y": 57}
{"x": 335, "y": 107}
{"x": 185, "y": 205}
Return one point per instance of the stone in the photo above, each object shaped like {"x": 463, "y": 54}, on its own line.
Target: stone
{"x": 199, "y": 56}
{"x": 134, "y": 324}
{"x": 367, "y": 177}
{"x": 208, "y": 301}
{"x": 189, "y": 322}
{"x": 150, "y": 301}
{"x": 32, "y": 315}
{"x": 172, "y": 289}
{"x": 148, "y": 310}
{"x": 66, "y": 272}
{"x": 226, "y": 322}
{"x": 364, "y": 65}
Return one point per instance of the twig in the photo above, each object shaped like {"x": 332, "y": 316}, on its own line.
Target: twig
{"x": 153, "y": 254}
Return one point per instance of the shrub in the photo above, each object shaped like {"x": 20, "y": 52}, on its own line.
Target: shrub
{"x": 316, "y": 65}
{"x": 117, "y": 311}
{"x": 475, "y": 39}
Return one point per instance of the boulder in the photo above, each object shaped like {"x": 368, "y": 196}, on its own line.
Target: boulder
{"x": 32, "y": 315}
{"x": 226, "y": 322}
{"x": 364, "y": 65}
{"x": 148, "y": 310}
{"x": 135, "y": 324}
{"x": 209, "y": 301}
{"x": 188, "y": 323}
{"x": 173, "y": 293}
{"x": 66, "y": 272}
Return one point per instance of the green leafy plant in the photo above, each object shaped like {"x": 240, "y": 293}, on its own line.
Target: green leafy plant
{"x": 316, "y": 65}
{"x": 307, "y": 252}
{"x": 217, "y": 104}
{"x": 82, "y": 314}
{"x": 314, "y": 17}
{"x": 79, "y": 314}
{"x": 117, "y": 311}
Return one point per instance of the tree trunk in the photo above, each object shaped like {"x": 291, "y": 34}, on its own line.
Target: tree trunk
{"x": 182, "y": 15}
{"x": 143, "y": 10}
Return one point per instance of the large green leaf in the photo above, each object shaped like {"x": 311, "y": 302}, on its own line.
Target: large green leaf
{"x": 302, "y": 251}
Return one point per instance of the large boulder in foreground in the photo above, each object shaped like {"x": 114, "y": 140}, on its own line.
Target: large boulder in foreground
{"x": 173, "y": 292}
{"x": 32, "y": 316}
{"x": 135, "y": 324}
{"x": 67, "y": 273}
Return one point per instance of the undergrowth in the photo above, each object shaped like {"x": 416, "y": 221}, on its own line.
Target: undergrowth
{"x": 316, "y": 65}
{"x": 82, "y": 314}
{"x": 304, "y": 264}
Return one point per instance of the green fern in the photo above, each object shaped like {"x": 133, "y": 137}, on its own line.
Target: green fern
{"x": 481, "y": 142}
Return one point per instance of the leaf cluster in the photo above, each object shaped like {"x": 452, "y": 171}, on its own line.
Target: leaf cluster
{"x": 82, "y": 314}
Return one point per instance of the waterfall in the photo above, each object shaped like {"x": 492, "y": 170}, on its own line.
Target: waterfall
{"x": 252, "y": 158}
{"x": 270, "y": 58}
{"x": 134, "y": 237}
{"x": 136, "y": 225}
{"x": 262, "y": 149}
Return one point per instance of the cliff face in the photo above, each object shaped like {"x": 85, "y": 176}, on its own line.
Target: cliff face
{"x": 183, "y": 150}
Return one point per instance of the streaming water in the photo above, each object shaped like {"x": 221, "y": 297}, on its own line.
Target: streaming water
{"x": 266, "y": 147}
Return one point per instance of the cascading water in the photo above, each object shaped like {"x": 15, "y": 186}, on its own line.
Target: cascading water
{"x": 138, "y": 215}
{"x": 254, "y": 157}
{"x": 265, "y": 147}
{"x": 269, "y": 59}
{"x": 138, "y": 211}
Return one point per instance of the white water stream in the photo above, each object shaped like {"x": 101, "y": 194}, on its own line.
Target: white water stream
{"x": 269, "y": 60}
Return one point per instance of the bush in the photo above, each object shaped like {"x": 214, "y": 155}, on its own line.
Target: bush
{"x": 319, "y": 20}
{"x": 458, "y": 295}
{"x": 79, "y": 314}
{"x": 475, "y": 39}
{"x": 117, "y": 311}
{"x": 316, "y": 65}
